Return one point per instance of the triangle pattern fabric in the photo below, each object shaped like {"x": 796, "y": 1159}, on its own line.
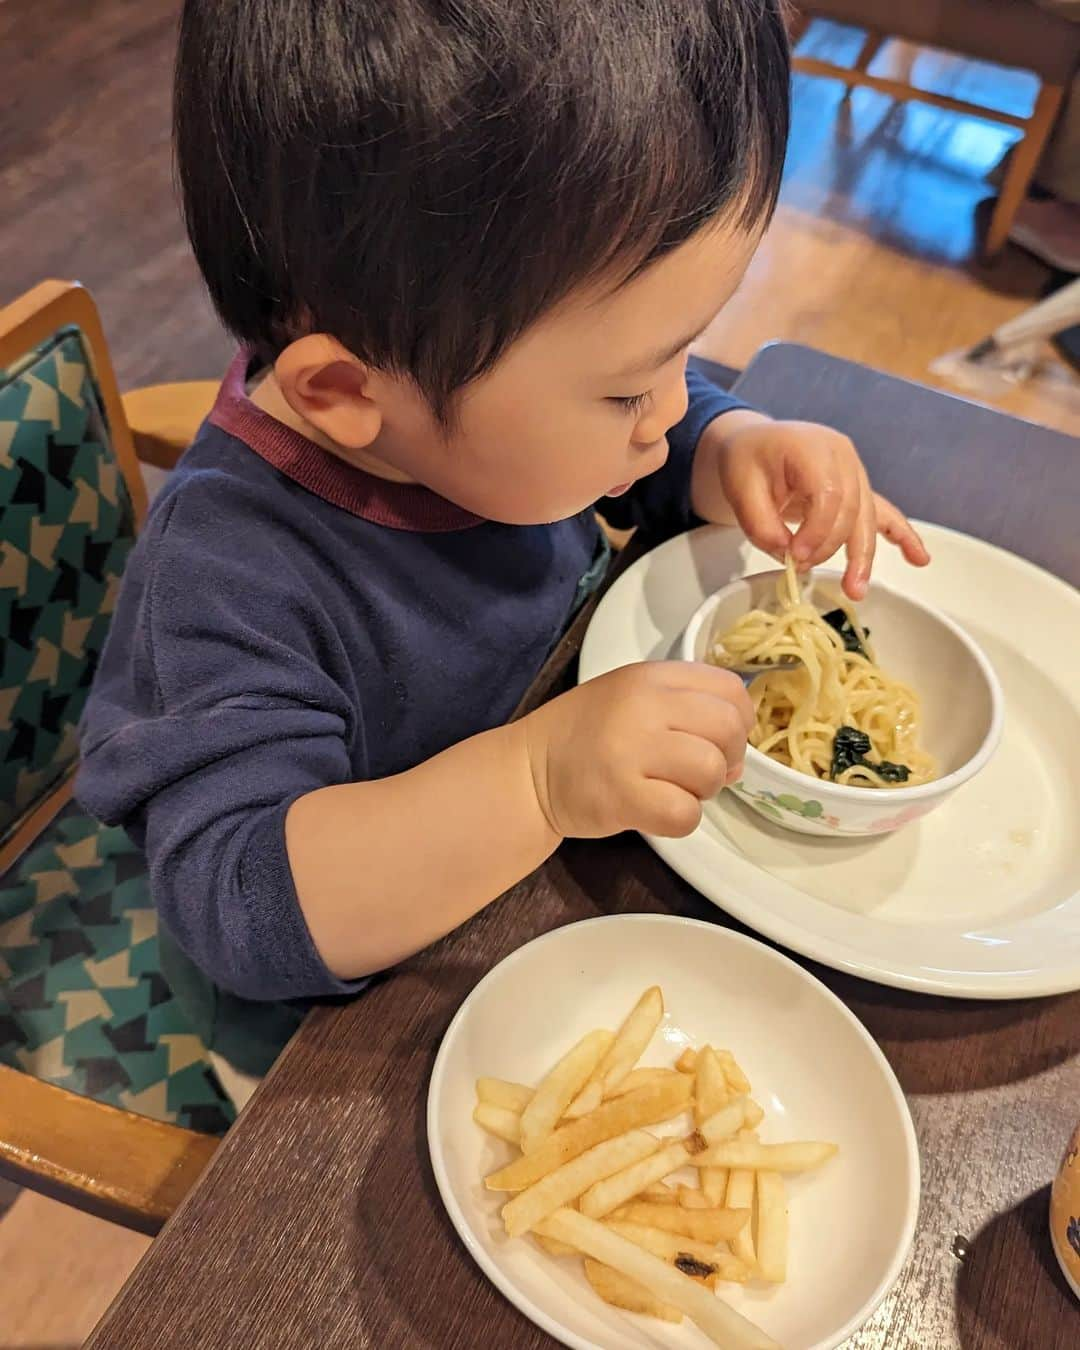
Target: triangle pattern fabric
{"x": 83, "y": 1003}
{"x": 66, "y": 528}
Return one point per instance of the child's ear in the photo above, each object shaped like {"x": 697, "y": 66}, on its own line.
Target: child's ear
{"x": 331, "y": 389}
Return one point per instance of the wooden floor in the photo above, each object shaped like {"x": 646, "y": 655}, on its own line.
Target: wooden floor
{"x": 869, "y": 258}
{"x": 61, "y": 1270}
{"x": 870, "y": 255}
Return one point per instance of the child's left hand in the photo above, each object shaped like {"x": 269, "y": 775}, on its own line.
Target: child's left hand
{"x": 763, "y": 475}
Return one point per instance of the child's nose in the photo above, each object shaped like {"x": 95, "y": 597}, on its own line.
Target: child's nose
{"x": 668, "y": 406}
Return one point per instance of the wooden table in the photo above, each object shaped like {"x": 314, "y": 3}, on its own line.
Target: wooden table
{"x": 318, "y": 1223}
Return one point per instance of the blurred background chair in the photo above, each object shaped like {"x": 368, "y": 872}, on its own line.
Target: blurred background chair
{"x": 1012, "y": 33}
{"x": 108, "y": 1100}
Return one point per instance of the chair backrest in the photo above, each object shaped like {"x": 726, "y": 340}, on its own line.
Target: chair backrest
{"x": 71, "y": 501}
{"x": 1010, "y": 32}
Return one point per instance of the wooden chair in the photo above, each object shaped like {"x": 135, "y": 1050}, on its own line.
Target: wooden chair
{"x": 1007, "y": 32}
{"x": 72, "y": 498}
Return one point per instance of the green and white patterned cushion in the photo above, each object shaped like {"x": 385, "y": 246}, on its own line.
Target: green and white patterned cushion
{"x": 83, "y": 1003}
{"x": 66, "y": 527}
{"x": 82, "y": 1000}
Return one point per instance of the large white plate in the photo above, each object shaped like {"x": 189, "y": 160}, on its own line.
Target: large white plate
{"x": 981, "y": 899}
{"x": 851, "y": 1223}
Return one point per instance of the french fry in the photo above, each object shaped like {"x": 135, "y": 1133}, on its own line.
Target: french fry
{"x": 616, "y": 1190}
{"x": 710, "y": 1085}
{"x": 498, "y": 1092}
{"x": 587, "y": 1100}
{"x": 714, "y": 1182}
{"x": 555, "y": 1248}
{"x": 566, "y": 1183}
{"x": 740, "y": 1194}
{"x": 633, "y": 1036}
{"x": 772, "y": 1232}
{"x": 690, "y": 1197}
{"x": 705, "y": 1225}
{"x": 593, "y": 1180}
{"x": 711, "y": 1094}
{"x": 560, "y": 1087}
{"x": 622, "y": 1292}
{"x": 737, "y": 1080}
{"x": 719, "y": 1127}
{"x": 667, "y": 1246}
{"x": 801, "y": 1157}
{"x": 730, "y": 1270}
{"x": 638, "y": 1078}
{"x": 497, "y": 1120}
{"x": 721, "y": 1323}
{"x": 646, "y": 1106}
{"x": 630, "y": 1040}
{"x": 697, "y": 1259}
{"x": 659, "y": 1192}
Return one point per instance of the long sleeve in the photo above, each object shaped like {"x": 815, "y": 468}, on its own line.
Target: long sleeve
{"x": 202, "y": 763}
{"x": 661, "y": 502}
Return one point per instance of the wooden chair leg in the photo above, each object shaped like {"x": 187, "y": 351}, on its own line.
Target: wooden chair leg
{"x": 1021, "y": 167}
{"x": 872, "y": 44}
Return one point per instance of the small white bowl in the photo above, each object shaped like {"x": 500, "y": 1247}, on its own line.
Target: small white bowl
{"x": 962, "y": 707}
{"x": 852, "y": 1222}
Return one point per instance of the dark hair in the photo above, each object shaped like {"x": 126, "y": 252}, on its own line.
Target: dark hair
{"x": 422, "y": 179}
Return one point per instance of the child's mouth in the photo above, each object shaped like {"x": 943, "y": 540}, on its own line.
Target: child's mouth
{"x": 619, "y": 489}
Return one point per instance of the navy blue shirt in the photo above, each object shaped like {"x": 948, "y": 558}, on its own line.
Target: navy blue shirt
{"x": 287, "y": 622}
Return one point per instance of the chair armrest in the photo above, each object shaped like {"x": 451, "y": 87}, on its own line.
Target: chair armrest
{"x": 163, "y": 418}
{"x": 122, "y": 1167}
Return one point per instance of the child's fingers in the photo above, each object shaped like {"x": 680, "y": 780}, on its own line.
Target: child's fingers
{"x": 861, "y": 544}
{"x": 726, "y": 721}
{"x": 898, "y": 530}
{"x": 830, "y": 503}
{"x": 665, "y": 809}
{"x": 756, "y": 510}
{"x": 861, "y": 547}
{"x": 842, "y": 529}
{"x": 690, "y": 762}
{"x": 830, "y": 516}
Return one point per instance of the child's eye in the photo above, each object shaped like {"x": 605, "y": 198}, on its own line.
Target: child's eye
{"x": 633, "y": 404}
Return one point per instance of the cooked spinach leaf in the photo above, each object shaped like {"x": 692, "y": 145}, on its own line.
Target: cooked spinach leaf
{"x": 850, "y": 750}
{"x": 838, "y": 619}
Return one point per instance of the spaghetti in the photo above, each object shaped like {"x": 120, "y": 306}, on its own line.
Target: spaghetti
{"x": 839, "y": 716}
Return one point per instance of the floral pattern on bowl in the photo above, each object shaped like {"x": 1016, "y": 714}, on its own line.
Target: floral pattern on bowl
{"x": 773, "y": 805}
{"x": 814, "y": 818}
{"x": 885, "y": 824}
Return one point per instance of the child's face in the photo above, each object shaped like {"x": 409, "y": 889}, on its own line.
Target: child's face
{"x": 577, "y": 408}
{"x": 580, "y": 406}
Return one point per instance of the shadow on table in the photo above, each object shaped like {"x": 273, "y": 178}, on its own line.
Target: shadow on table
{"x": 439, "y": 1307}
{"x": 939, "y": 1045}
{"x": 935, "y": 1045}
{"x": 1013, "y": 1249}
{"x": 9, "y": 1193}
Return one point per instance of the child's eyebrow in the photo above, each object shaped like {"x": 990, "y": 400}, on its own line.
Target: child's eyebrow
{"x": 663, "y": 356}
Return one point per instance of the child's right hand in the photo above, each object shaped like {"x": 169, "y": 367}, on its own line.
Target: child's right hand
{"x": 638, "y": 749}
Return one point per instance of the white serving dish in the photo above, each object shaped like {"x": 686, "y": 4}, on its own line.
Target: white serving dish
{"x": 814, "y": 1068}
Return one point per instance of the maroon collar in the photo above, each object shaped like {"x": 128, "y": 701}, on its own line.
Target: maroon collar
{"x": 401, "y": 506}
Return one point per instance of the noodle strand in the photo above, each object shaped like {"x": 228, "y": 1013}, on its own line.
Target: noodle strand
{"x": 799, "y": 712}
